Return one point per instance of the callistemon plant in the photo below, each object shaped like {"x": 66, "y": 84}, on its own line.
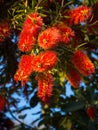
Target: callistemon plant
{"x": 49, "y": 47}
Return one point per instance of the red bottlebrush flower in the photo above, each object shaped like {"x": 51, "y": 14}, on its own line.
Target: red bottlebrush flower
{"x": 33, "y": 24}
{"x": 4, "y": 31}
{"x": 66, "y": 32}
{"x": 21, "y": 76}
{"x": 78, "y": 15}
{"x": 26, "y": 63}
{"x": 45, "y": 61}
{"x": 26, "y": 41}
{"x": 73, "y": 76}
{"x": 82, "y": 63}
{"x": 45, "y": 87}
{"x": 49, "y": 38}
{"x": 25, "y": 69}
{"x": 2, "y": 103}
{"x": 91, "y": 111}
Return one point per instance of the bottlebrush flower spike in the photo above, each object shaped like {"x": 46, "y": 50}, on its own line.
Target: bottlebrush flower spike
{"x": 44, "y": 61}
{"x": 66, "y": 32}
{"x": 4, "y": 31}
{"x": 26, "y": 41}
{"x": 82, "y": 63}
{"x": 25, "y": 63}
{"x": 2, "y": 103}
{"x": 78, "y": 14}
{"x": 49, "y": 38}
{"x": 33, "y": 24}
{"x": 45, "y": 87}
{"x": 91, "y": 111}
{"x": 73, "y": 76}
{"x": 21, "y": 76}
{"x": 24, "y": 69}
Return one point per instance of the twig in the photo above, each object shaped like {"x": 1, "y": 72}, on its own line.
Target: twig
{"x": 11, "y": 113}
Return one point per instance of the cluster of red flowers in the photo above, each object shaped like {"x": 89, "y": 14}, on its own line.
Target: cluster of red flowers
{"x": 78, "y": 15}
{"x": 4, "y": 31}
{"x": 45, "y": 86}
{"x": 24, "y": 69}
{"x": 40, "y": 63}
{"x": 31, "y": 28}
{"x": 66, "y": 33}
{"x": 82, "y": 63}
{"x": 49, "y": 38}
{"x": 73, "y": 76}
{"x": 82, "y": 66}
{"x": 44, "y": 61}
{"x": 35, "y": 35}
{"x": 26, "y": 41}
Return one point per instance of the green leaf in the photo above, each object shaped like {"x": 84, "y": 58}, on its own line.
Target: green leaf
{"x": 95, "y": 99}
{"x": 23, "y": 109}
{"x": 22, "y": 116}
{"x": 74, "y": 106}
{"x": 41, "y": 122}
{"x": 33, "y": 4}
{"x": 39, "y": 112}
{"x": 95, "y": 96}
{"x": 91, "y": 126}
{"x": 34, "y": 100}
{"x": 45, "y": 120}
{"x": 66, "y": 123}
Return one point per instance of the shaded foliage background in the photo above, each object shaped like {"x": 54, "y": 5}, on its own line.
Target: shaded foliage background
{"x": 65, "y": 112}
